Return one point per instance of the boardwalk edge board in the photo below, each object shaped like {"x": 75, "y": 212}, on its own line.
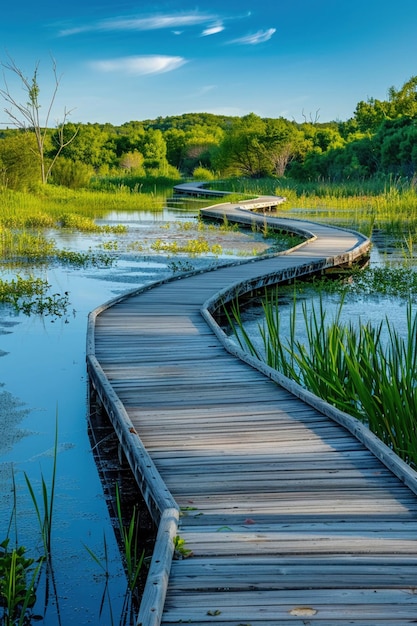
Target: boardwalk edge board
{"x": 161, "y": 503}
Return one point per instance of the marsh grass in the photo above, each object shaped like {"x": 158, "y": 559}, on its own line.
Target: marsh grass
{"x": 31, "y": 296}
{"x": 54, "y": 207}
{"x": 133, "y": 555}
{"x": 25, "y": 246}
{"x": 104, "y": 565}
{"x": 192, "y": 247}
{"x": 18, "y": 575}
{"x": 134, "y": 561}
{"x": 44, "y": 504}
{"x": 135, "y": 184}
{"x": 390, "y": 204}
{"x": 368, "y": 371}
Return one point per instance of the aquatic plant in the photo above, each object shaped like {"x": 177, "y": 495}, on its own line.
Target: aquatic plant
{"x": 44, "y": 505}
{"x": 192, "y": 247}
{"x": 24, "y": 246}
{"x": 180, "y": 266}
{"x": 352, "y": 367}
{"x": 30, "y": 296}
{"x": 18, "y": 575}
{"x": 84, "y": 259}
{"x": 133, "y": 555}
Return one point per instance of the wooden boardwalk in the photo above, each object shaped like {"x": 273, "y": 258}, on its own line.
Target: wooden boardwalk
{"x": 294, "y": 512}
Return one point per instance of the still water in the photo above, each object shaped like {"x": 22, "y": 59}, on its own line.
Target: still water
{"x": 357, "y": 309}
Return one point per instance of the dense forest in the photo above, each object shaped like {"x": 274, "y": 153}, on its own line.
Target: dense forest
{"x": 379, "y": 140}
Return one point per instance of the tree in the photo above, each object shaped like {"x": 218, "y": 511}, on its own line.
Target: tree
{"x": 72, "y": 174}
{"x": 88, "y": 143}
{"x": 404, "y": 100}
{"x": 18, "y": 169}
{"x": 26, "y": 116}
{"x": 283, "y": 143}
{"x": 154, "y": 150}
{"x": 133, "y": 162}
{"x": 242, "y": 152}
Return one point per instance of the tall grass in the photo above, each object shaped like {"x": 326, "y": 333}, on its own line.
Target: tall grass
{"x": 44, "y": 505}
{"x": 19, "y": 574}
{"x": 367, "y": 371}
{"x": 45, "y": 208}
{"x": 133, "y": 555}
{"x": 389, "y": 204}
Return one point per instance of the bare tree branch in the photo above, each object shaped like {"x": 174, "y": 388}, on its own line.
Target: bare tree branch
{"x": 26, "y": 116}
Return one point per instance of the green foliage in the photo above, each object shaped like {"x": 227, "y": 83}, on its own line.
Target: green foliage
{"x": 24, "y": 246}
{"x": 84, "y": 259}
{"x": 72, "y": 174}
{"x": 180, "y": 549}
{"x": 349, "y": 366}
{"x": 133, "y": 555}
{"x": 26, "y": 116}
{"x": 193, "y": 247}
{"x": 378, "y": 140}
{"x": 30, "y": 296}
{"x": 19, "y": 167}
{"x": 133, "y": 162}
{"x": 202, "y": 173}
{"x": 78, "y": 222}
{"x": 92, "y": 145}
{"x": 17, "y": 593}
{"x": 44, "y": 505}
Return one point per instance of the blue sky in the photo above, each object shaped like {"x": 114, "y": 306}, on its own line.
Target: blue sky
{"x": 122, "y": 61}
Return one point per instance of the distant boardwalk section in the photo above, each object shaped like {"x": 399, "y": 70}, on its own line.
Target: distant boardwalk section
{"x": 273, "y": 508}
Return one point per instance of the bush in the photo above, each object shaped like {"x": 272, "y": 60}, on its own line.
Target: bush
{"x": 72, "y": 174}
{"x": 202, "y": 173}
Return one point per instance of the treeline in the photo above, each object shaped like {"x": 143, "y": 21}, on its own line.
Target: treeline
{"x": 379, "y": 140}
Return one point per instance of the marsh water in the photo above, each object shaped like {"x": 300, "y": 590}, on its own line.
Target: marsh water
{"x": 43, "y": 383}
{"x": 370, "y": 307}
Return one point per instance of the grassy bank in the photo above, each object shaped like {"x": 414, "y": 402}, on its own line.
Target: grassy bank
{"x": 387, "y": 204}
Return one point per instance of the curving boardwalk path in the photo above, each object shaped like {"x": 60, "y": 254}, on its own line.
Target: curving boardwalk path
{"x": 294, "y": 512}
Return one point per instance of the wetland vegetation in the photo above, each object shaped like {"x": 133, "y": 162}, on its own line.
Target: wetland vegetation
{"x": 102, "y": 223}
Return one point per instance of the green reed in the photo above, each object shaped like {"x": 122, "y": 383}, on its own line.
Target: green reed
{"x": 24, "y": 245}
{"x": 192, "y": 247}
{"x": 47, "y": 207}
{"x": 18, "y": 575}
{"x": 367, "y": 371}
{"x": 385, "y": 203}
{"x": 133, "y": 556}
{"x": 44, "y": 504}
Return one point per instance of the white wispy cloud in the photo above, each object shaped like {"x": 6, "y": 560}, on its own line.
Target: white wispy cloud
{"x": 215, "y": 28}
{"x": 139, "y": 65}
{"x": 205, "y": 90}
{"x": 155, "y": 22}
{"x": 260, "y": 37}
